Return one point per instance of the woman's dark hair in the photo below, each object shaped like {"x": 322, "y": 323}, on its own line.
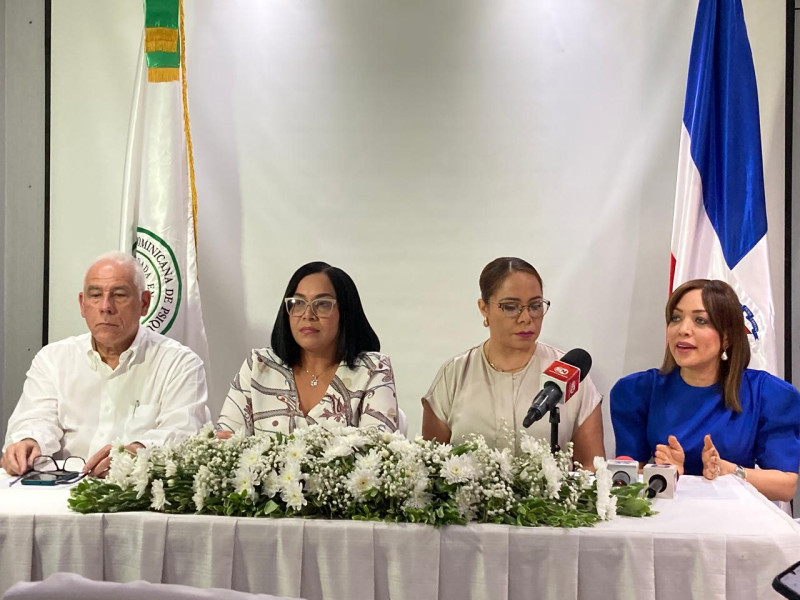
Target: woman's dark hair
{"x": 725, "y": 313}
{"x": 355, "y": 333}
{"x": 496, "y": 271}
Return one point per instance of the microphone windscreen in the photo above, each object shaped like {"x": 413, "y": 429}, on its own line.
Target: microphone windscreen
{"x": 578, "y": 357}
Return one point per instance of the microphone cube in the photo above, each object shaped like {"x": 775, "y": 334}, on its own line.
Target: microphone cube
{"x": 667, "y": 474}
{"x": 624, "y": 472}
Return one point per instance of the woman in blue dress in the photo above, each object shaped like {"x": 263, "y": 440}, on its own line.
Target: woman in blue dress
{"x": 704, "y": 411}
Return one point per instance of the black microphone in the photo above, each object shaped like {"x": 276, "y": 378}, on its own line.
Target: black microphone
{"x": 661, "y": 481}
{"x": 656, "y": 485}
{"x": 559, "y": 380}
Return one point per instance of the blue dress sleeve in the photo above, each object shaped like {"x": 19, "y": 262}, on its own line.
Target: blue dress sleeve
{"x": 778, "y": 436}
{"x": 630, "y": 408}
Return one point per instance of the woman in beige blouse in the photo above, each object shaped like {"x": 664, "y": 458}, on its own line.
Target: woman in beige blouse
{"x": 489, "y": 388}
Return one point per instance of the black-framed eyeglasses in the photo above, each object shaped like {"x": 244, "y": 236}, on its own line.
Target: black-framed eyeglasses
{"x": 537, "y": 309}
{"x": 53, "y": 471}
{"x": 321, "y": 307}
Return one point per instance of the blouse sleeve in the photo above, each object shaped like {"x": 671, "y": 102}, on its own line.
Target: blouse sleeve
{"x": 630, "y": 403}
{"x": 440, "y": 395}
{"x": 379, "y": 408}
{"x": 590, "y": 399}
{"x": 778, "y": 436}
{"x": 237, "y": 410}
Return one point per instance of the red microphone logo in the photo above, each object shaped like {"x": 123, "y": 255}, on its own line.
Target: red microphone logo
{"x": 567, "y": 375}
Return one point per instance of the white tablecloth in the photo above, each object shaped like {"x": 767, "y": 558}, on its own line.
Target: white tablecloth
{"x": 715, "y": 540}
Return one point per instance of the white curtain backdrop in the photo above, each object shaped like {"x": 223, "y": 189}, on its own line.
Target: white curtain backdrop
{"x": 410, "y": 143}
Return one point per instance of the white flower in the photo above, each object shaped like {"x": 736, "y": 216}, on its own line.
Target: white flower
{"x": 271, "y": 484}
{"x": 464, "y": 501}
{"x": 371, "y": 460}
{"x": 207, "y": 431}
{"x": 553, "y": 475}
{"x": 314, "y": 484}
{"x": 170, "y": 468}
{"x": 290, "y": 475}
{"x": 140, "y": 475}
{"x": 250, "y": 458}
{"x": 159, "y": 499}
{"x": 356, "y": 439}
{"x": 414, "y": 469}
{"x": 362, "y": 480}
{"x": 295, "y": 450}
{"x": 458, "y": 469}
{"x": 122, "y": 465}
{"x": 505, "y": 462}
{"x": 418, "y": 499}
{"x": 293, "y": 496}
{"x": 534, "y": 446}
{"x": 338, "y": 447}
{"x": 244, "y": 482}
{"x": 264, "y": 444}
{"x": 202, "y": 482}
{"x": 606, "y": 501}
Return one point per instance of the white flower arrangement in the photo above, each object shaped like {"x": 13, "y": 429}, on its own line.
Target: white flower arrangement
{"x": 359, "y": 474}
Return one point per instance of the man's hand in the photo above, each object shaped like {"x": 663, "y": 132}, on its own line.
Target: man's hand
{"x": 97, "y": 465}
{"x": 19, "y": 457}
{"x": 671, "y": 454}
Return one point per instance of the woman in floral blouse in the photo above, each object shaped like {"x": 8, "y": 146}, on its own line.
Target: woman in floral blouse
{"x": 323, "y": 367}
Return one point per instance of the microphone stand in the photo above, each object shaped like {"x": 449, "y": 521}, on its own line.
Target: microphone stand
{"x": 555, "y": 419}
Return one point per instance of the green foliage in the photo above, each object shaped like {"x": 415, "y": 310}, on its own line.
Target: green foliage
{"x": 363, "y": 475}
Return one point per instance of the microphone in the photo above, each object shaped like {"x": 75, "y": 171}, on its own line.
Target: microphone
{"x": 661, "y": 480}
{"x": 624, "y": 470}
{"x": 559, "y": 383}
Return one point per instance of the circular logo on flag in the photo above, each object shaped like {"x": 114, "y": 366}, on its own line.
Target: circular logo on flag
{"x": 162, "y": 277}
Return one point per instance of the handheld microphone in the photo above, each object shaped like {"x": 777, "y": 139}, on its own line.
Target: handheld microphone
{"x": 661, "y": 480}
{"x": 624, "y": 470}
{"x": 559, "y": 383}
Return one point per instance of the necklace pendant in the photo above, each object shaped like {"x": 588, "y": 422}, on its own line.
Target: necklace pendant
{"x": 314, "y": 381}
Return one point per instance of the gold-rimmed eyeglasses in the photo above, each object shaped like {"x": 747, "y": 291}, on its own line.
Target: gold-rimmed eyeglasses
{"x": 321, "y": 307}
{"x": 537, "y": 309}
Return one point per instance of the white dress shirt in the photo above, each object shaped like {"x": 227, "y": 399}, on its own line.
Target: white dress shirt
{"x": 73, "y": 403}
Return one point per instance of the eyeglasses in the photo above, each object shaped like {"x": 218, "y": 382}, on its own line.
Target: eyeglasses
{"x": 47, "y": 470}
{"x": 537, "y": 309}
{"x": 321, "y": 307}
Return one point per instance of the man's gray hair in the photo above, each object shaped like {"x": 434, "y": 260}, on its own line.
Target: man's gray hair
{"x": 126, "y": 260}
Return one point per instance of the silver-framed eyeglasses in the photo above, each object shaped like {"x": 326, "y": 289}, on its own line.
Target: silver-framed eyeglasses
{"x": 537, "y": 308}
{"x": 55, "y": 471}
{"x": 321, "y": 307}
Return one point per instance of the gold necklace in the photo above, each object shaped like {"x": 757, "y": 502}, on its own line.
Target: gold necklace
{"x": 491, "y": 364}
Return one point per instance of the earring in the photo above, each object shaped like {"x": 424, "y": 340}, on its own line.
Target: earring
{"x": 724, "y": 355}
{"x": 485, "y": 321}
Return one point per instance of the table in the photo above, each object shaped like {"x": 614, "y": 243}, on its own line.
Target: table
{"x": 718, "y": 539}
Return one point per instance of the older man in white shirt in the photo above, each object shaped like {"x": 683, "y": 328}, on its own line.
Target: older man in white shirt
{"x": 119, "y": 382}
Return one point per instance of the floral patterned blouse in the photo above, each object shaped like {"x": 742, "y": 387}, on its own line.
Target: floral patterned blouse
{"x": 263, "y": 396}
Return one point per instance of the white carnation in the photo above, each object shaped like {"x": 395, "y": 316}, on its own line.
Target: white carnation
{"x": 360, "y": 481}
{"x": 293, "y": 496}
{"x": 159, "y": 499}
{"x": 458, "y": 469}
{"x": 606, "y": 501}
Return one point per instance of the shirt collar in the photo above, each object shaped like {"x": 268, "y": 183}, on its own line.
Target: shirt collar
{"x": 127, "y": 355}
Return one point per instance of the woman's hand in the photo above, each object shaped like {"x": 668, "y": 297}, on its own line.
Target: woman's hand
{"x": 671, "y": 454}
{"x": 713, "y": 465}
{"x": 223, "y": 434}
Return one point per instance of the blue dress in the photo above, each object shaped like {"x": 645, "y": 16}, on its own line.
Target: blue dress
{"x": 647, "y": 407}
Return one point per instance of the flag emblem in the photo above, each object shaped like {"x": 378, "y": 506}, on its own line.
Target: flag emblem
{"x": 163, "y": 279}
